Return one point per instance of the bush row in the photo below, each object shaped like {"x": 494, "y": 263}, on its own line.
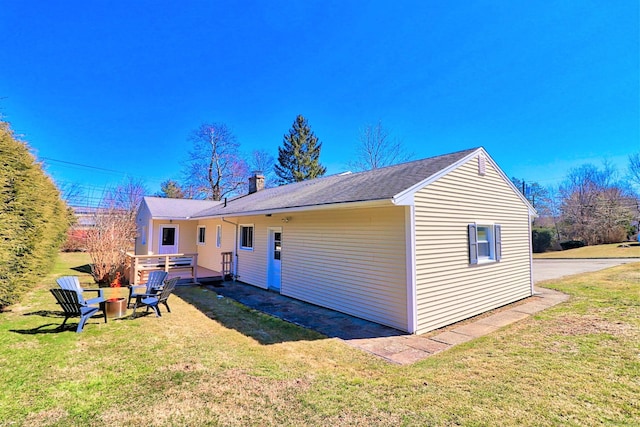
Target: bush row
{"x": 33, "y": 219}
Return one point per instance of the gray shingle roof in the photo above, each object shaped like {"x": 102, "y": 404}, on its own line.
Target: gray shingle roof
{"x": 162, "y": 207}
{"x": 376, "y": 184}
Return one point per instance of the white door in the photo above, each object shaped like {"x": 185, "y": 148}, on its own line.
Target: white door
{"x": 168, "y": 241}
{"x": 275, "y": 255}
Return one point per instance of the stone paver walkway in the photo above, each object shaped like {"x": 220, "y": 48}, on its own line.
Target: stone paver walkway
{"x": 385, "y": 342}
{"x": 407, "y": 349}
{"x": 399, "y": 347}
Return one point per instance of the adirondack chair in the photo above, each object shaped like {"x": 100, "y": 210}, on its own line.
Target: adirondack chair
{"x": 70, "y": 303}
{"x": 154, "y": 300}
{"x": 155, "y": 282}
{"x": 73, "y": 284}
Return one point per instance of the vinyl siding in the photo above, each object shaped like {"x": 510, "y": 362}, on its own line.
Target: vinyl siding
{"x": 143, "y": 220}
{"x": 187, "y": 232}
{"x": 351, "y": 261}
{"x": 448, "y": 288}
{"x": 210, "y": 256}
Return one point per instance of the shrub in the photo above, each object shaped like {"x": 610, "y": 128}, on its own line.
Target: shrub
{"x": 33, "y": 216}
{"x": 541, "y": 239}
{"x": 572, "y": 244}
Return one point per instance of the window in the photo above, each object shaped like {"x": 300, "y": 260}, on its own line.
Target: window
{"x": 201, "y": 234}
{"x": 246, "y": 237}
{"x": 485, "y": 243}
{"x": 143, "y": 234}
{"x": 218, "y": 236}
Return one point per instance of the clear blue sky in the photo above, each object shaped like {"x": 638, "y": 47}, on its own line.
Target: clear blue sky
{"x": 542, "y": 85}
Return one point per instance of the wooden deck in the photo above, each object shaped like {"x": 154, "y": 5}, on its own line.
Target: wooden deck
{"x": 184, "y": 266}
{"x": 204, "y": 275}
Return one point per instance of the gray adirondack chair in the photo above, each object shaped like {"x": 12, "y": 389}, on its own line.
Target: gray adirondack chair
{"x": 72, "y": 307}
{"x": 155, "y": 282}
{"x": 73, "y": 284}
{"x": 154, "y": 300}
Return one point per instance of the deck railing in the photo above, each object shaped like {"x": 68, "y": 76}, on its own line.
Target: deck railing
{"x": 140, "y": 265}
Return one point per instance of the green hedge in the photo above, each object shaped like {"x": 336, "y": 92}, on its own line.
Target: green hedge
{"x": 541, "y": 239}
{"x": 33, "y": 219}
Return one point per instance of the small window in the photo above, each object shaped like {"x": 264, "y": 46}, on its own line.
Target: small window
{"x": 246, "y": 237}
{"x": 202, "y": 231}
{"x": 485, "y": 243}
{"x": 143, "y": 234}
{"x": 218, "y": 236}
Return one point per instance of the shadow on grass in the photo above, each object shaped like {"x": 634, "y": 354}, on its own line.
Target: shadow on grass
{"x": 40, "y": 329}
{"x": 82, "y": 269}
{"x": 265, "y": 329}
{"x": 270, "y": 317}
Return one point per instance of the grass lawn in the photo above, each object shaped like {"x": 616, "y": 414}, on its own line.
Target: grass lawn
{"x": 214, "y": 362}
{"x": 599, "y": 251}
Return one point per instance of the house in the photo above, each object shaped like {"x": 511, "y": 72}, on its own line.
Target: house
{"x": 415, "y": 246}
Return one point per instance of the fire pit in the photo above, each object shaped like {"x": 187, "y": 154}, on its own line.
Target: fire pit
{"x": 115, "y": 307}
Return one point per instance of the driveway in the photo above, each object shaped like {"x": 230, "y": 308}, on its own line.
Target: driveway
{"x": 546, "y": 269}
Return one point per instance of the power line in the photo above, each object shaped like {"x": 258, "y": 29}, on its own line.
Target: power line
{"x": 81, "y": 165}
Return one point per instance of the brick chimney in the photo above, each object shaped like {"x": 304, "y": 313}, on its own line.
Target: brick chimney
{"x": 256, "y": 182}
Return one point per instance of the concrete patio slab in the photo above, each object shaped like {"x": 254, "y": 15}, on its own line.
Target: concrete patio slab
{"x": 426, "y": 344}
{"x": 503, "y": 318}
{"x": 476, "y": 329}
{"x": 452, "y": 338}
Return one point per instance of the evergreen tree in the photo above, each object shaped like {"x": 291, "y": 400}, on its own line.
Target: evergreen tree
{"x": 33, "y": 219}
{"x": 298, "y": 158}
{"x": 171, "y": 189}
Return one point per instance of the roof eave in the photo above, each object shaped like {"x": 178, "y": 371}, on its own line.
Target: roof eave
{"x": 328, "y": 206}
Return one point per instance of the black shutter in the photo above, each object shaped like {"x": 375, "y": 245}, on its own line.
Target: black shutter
{"x": 497, "y": 229}
{"x": 473, "y": 244}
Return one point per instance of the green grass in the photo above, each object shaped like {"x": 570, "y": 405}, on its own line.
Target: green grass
{"x": 214, "y": 362}
{"x": 614, "y": 250}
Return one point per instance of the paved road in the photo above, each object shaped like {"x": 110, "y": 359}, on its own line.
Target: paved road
{"x": 546, "y": 269}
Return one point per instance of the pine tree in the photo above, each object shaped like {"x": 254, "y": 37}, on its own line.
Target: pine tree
{"x": 298, "y": 158}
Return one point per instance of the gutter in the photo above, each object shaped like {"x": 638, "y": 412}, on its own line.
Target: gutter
{"x": 285, "y": 210}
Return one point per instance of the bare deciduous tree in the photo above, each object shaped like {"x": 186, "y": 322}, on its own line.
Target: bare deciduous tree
{"x": 377, "y": 148}
{"x": 634, "y": 168}
{"x": 595, "y": 206}
{"x": 215, "y": 169}
{"x": 114, "y": 230}
{"x": 262, "y": 161}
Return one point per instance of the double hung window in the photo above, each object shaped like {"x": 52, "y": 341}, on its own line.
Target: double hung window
{"x": 485, "y": 243}
{"x": 246, "y": 237}
{"x": 201, "y": 234}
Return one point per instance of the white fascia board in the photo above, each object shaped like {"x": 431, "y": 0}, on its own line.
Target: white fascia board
{"x": 410, "y": 254}
{"x": 330, "y": 206}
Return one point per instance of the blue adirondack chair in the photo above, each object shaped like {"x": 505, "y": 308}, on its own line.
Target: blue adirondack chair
{"x": 72, "y": 307}
{"x": 155, "y": 282}
{"x": 72, "y": 283}
{"x": 154, "y": 300}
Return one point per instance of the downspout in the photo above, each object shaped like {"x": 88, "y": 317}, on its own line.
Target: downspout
{"x": 530, "y": 254}
{"x": 235, "y": 245}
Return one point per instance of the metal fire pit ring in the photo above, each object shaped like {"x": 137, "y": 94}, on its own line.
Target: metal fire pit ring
{"x": 115, "y": 307}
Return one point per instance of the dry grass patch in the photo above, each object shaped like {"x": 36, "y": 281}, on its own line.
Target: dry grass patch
{"x": 613, "y": 250}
